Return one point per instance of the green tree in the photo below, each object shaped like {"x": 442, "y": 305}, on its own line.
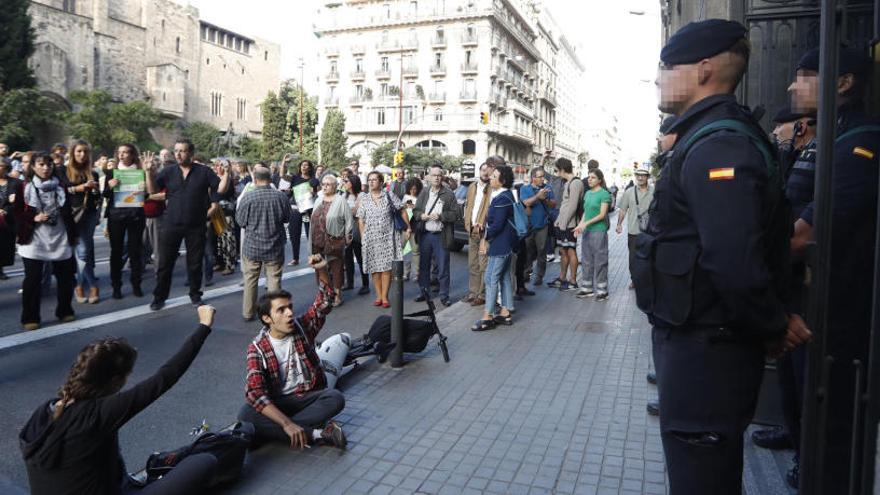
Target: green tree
{"x": 384, "y": 154}
{"x": 105, "y": 123}
{"x": 251, "y": 149}
{"x": 274, "y": 125}
{"x": 415, "y": 159}
{"x": 333, "y": 140}
{"x": 21, "y": 112}
{"x": 16, "y": 45}
{"x": 204, "y": 136}
{"x": 290, "y": 95}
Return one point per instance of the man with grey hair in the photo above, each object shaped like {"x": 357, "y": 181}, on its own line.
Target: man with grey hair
{"x": 262, "y": 213}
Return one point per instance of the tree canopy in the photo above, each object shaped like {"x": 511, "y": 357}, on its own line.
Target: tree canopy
{"x": 106, "y": 123}
{"x": 333, "y": 140}
{"x": 16, "y": 46}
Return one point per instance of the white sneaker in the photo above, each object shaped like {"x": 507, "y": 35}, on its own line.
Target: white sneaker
{"x": 585, "y": 293}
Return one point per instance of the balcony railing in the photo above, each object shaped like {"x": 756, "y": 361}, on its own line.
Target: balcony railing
{"x": 357, "y": 100}
{"x": 388, "y": 46}
{"x": 468, "y": 95}
{"x": 331, "y": 51}
{"x": 410, "y": 43}
{"x": 358, "y": 74}
{"x": 331, "y": 101}
{"x": 469, "y": 67}
{"x": 438, "y": 69}
{"x": 438, "y": 41}
{"x": 358, "y": 49}
{"x": 410, "y": 71}
{"x": 332, "y": 76}
{"x": 437, "y": 97}
{"x": 469, "y": 39}
{"x": 383, "y": 73}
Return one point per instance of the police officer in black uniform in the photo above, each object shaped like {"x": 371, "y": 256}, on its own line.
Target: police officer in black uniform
{"x": 853, "y": 233}
{"x": 713, "y": 263}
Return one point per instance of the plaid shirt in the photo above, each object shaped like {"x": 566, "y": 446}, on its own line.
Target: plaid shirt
{"x": 262, "y": 213}
{"x": 263, "y": 370}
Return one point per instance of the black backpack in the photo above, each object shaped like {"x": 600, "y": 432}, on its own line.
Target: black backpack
{"x": 229, "y": 446}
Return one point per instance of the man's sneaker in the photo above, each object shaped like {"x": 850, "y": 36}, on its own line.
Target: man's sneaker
{"x": 554, "y": 284}
{"x": 551, "y": 258}
{"x": 563, "y": 286}
{"x": 196, "y": 301}
{"x": 602, "y": 297}
{"x": 571, "y": 287}
{"x": 585, "y": 293}
{"x": 156, "y": 305}
{"x": 333, "y": 435}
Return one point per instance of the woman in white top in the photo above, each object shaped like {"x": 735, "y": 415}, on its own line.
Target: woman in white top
{"x": 46, "y": 235}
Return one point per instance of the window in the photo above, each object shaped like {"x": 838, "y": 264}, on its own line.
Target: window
{"x": 380, "y": 116}
{"x": 242, "y": 71}
{"x": 438, "y": 59}
{"x": 238, "y": 44}
{"x": 333, "y": 66}
{"x": 212, "y": 35}
{"x": 247, "y": 47}
{"x": 177, "y": 44}
{"x": 241, "y": 109}
{"x": 163, "y": 26}
{"x": 384, "y": 37}
{"x": 383, "y": 89}
{"x": 439, "y": 33}
{"x": 471, "y": 31}
{"x": 69, "y": 6}
{"x": 216, "y": 104}
{"x": 359, "y": 90}
{"x": 413, "y": 8}
{"x": 359, "y": 65}
{"x": 229, "y": 41}
{"x": 438, "y": 115}
{"x": 467, "y": 57}
{"x": 222, "y": 38}
{"x": 385, "y": 64}
{"x": 266, "y": 55}
{"x": 208, "y": 61}
{"x": 409, "y": 115}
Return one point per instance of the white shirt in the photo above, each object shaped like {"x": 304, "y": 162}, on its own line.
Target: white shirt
{"x": 289, "y": 363}
{"x": 431, "y": 208}
{"x": 478, "y": 200}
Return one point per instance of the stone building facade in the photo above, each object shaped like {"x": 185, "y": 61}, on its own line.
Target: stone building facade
{"x": 444, "y": 62}
{"x": 158, "y": 51}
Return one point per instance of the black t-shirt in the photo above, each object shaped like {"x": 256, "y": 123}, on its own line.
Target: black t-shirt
{"x": 188, "y": 199}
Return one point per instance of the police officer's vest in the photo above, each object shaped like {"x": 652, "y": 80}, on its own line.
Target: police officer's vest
{"x": 677, "y": 287}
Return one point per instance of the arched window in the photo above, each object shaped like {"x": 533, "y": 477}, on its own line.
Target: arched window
{"x": 177, "y": 44}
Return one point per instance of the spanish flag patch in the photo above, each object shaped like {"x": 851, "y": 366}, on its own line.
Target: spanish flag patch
{"x": 721, "y": 173}
{"x": 863, "y": 152}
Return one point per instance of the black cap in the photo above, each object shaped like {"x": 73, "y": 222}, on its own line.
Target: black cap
{"x": 849, "y": 61}
{"x": 786, "y": 115}
{"x": 667, "y": 124}
{"x": 699, "y": 40}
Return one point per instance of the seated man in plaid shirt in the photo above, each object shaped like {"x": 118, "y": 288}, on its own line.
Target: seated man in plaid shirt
{"x": 287, "y": 398}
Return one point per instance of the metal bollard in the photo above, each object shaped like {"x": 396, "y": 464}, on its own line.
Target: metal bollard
{"x": 396, "y": 291}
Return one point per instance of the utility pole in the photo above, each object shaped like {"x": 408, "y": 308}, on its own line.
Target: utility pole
{"x": 302, "y": 65}
{"x": 400, "y": 104}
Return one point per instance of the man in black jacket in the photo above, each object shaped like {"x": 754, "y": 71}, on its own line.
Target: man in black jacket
{"x": 717, "y": 259}
{"x": 436, "y": 211}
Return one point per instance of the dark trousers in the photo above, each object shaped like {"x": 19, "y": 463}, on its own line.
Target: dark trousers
{"x": 191, "y": 475}
{"x": 169, "y": 244}
{"x": 312, "y": 410}
{"x": 431, "y": 248}
{"x": 65, "y": 274}
{"x": 126, "y": 233}
{"x": 519, "y": 270}
{"x": 631, "y": 246}
{"x": 295, "y": 229}
{"x": 352, "y": 251}
{"x": 708, "y": 384}
{"x": 790, "y": 369}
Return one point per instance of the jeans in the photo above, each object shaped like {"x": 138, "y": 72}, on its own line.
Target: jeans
{"x": 64, "y": 270}
{"x": 126, "y": 236}
{"x": 537, "y": 253}
{"x": 169, "y": 243}
{"x": 594, "y": 258}
{"x": 352, "y": 251}
{"x": 191, "y": 475}
{"x": 312, "y": 410}
{"x": 431, "y": 246}
{"x": 151, "y": 239}
{"x": 498, "y": 277}
{"x": 85, "y": 250}
{"x": 295, "y": 229}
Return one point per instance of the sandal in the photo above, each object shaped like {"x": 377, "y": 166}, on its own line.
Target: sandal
{"x": 386, "y": 304}
{"x": 483, "y": 325}
{"x": 377, "y": 302}
{"x": 503, "y": 320}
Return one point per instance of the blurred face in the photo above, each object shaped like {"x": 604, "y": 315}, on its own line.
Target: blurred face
{"x": 485, "y": 173}
{"x": 667, "y": 141}
{"x": 328, "y": 185}
{"x": 319, "y": 171}
{"x": 676, "y": 84}
{"x": 373, "y": 182}
{"x": 346, "y": 185}
{"x": 43, "y": 168}
{"x": 435, "y": 176}
{"x": 165, "y": 155}
{"x": 784, "y": 133}
{"x": 495, "y": 181}
{"x": 538, "y": 179}
{"x": 304, "y": 169}
{"x": 593, "y": 181}
{"x": 4, "y": 149}
{"x": 4, "y": 169}
{"x": 354, "y": 166}
{"x": 414, "y": 191}
{"x": 280, "y": 317}
{"x": 182, "y": 154}
{"x": 124, "y": 155}
{"x": 642, "y": 180}
{"x": 81, "y": 154}
{"x": 804, "y": 92}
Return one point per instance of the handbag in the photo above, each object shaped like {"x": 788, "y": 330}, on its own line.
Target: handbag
{"x": 642, "y": 217}
{"x": 396, "y": 216}
{"x": 421, "y": 227}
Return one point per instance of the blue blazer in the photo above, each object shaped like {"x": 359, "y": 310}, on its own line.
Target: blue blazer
{"x": 499, "y": 225}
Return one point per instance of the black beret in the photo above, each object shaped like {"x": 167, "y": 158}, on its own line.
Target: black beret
{"x": 849, "y": 61}
{"x": 699, "y": 40}
{"x": 667, "y": 124}
{"x": 786, "y": 115}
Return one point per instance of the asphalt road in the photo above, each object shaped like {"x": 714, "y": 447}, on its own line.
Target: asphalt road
{"x": 213, "y": 388}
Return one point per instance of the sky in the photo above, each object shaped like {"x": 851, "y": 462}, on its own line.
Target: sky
{"x": 620, "y": 50}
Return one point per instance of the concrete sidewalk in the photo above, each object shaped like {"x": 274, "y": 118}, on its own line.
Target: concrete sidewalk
{"x": 553, "y": 404}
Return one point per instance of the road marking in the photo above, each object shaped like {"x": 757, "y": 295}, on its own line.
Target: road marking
{"x": 24, "y": 337}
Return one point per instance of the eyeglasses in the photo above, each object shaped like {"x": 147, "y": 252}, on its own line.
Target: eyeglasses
{"x": 539, "y": 177}
{"x": 664, "y": 66}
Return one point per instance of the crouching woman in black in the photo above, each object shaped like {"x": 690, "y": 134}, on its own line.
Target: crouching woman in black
{"x": 71, "y": 444}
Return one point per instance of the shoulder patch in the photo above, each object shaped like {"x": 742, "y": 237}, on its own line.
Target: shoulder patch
{"x": 863, "y": 152}
{"x": 721, "y": 173}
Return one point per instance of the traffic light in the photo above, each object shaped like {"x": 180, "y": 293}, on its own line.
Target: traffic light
{"x": 484, "y": 118}
{"x": 398, "y": 158}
